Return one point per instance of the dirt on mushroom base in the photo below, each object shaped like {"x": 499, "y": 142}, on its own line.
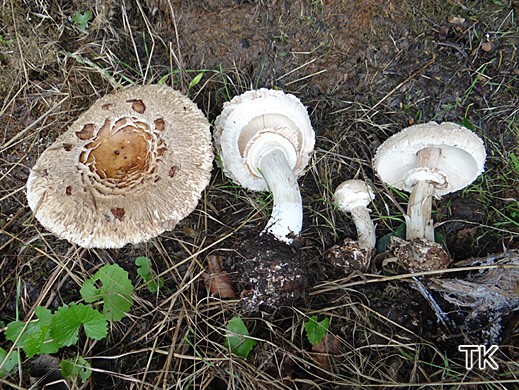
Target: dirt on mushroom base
{"x": 352, "y": 55}
{"x": 266, "y": 273}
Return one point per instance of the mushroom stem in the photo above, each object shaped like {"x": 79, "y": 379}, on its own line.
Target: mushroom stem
{"x": 418, "y": 219}
{"x": 365, "y": 227}
{"x": 287, "y": 213}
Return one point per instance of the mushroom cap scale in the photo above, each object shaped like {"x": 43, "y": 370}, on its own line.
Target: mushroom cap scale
{"x": 242, "y": 125}
{"x": 461, "y": 160}
{"x": 130, "y": 167}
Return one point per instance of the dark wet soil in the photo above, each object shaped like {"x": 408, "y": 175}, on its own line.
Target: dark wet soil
{"x": 364, "y": 69}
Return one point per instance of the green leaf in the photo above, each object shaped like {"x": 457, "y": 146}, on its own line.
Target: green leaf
{"x": 67, "y": 321}
{"x": 44, "y": 315}
{"x": 114, "y": 290}
{"x": 163, "y": 79}
{"x": 315, "y": 331}
{"x": 196, "y": 80}
{"x": 468, "y": 124}
{"x": 237, "y": 340}
{"x": 146, "y": 273}
{"x": 36, "y": 338}
{"x": 40, "y": 342}
{"x": 384, "y": 242}
{"x": 79, "y": 367}
{"x": 82, "y": 19}
{"x": 16, "y": 327}
{"x": 8, "y": 362}
{"x": 144, "y": 267}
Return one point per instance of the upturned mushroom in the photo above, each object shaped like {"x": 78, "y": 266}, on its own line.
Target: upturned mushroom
{"x": 429, "y": 160}
{"x": 353, "y": 196}
{"x": 265, "y": 139}
{"x": 130, "y": 167}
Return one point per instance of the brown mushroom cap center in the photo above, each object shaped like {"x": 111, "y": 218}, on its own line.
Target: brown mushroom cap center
{"x": 123, "y": 151}
{"x": 115, "y": 155}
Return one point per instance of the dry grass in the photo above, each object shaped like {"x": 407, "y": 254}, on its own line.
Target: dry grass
{"x": 360, "y": 88}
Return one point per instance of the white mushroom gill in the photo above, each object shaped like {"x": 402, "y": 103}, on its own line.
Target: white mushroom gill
{"x": 429, "y": 160}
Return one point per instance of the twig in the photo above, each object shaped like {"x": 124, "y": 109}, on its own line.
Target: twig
{"x": 442, "y": 317}
{"x": 5, "y": 146}
{"x": 178, "y": 57}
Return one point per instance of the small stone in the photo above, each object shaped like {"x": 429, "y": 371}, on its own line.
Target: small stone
{"x": 487, "y": 46}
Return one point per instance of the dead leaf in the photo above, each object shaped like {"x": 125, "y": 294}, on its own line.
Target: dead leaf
{"x": 217, "y": 281}
{"x": 329, "y": 345}
{"x": 457, "y": 20}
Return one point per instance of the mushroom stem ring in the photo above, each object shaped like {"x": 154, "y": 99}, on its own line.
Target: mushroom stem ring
{"x": 424, "y": 180}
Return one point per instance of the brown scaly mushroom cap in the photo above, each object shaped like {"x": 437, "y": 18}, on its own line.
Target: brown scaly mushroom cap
{"x": 126, "y": 170}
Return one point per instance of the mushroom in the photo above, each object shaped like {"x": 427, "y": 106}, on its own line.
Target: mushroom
{"x": 130, "y": 167}
{"x": 429, "y": 160}
{"x": 353, "y": 196}
{"x": 265, "y": 139}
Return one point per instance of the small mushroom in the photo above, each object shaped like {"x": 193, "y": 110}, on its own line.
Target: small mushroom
{"x": 130, "y": 167}
{"x": 428, "y": 160}
{"x": 353, "y": 196}
{"x": 265, "y": 139}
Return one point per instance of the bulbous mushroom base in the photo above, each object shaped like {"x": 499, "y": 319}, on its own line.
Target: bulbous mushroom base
{"x": 348, "y": 257}
{"x": 266, "y": 273}
{"x": 420, "y": 254}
